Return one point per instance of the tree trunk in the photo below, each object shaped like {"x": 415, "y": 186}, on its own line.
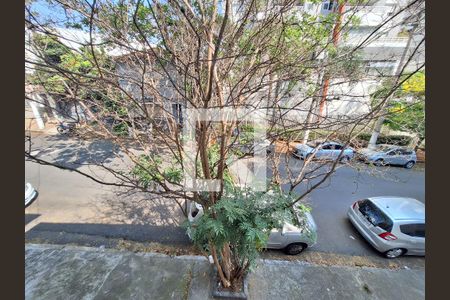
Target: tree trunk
{"x": 225, "y": 282}
{"x": 309, "y": 120}
{"x": 376, "y": 132}
{"x": 397, "y": 73}
{"x": 310, "y": 116}
{"x": 226, "y": 262}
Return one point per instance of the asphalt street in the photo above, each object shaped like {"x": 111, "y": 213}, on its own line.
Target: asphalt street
{"x": 69, "y": 202}
{"x": 333, "y": 198}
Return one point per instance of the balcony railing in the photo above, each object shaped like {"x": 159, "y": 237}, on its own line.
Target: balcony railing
{"x": 378, "y": 42}
{"x": 370, "y": 15}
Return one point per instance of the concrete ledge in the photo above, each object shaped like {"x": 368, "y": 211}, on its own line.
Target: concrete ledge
{"x": 72, "y": 272}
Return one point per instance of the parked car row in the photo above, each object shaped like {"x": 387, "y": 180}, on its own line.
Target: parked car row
{"x": 380, "y": 156}
{"x": 394, "y": 226}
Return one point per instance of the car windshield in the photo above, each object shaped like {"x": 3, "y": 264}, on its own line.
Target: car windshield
{"x": 313, "y": 144}
{"x": 384, "y": 148}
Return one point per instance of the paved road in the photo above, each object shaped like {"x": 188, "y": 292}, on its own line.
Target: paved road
{"x": 331, "y": 201}
{"x": 70, "y": 202}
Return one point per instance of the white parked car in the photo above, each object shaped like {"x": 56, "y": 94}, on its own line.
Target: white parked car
{"x": 30, "y": 194}
{"x": 324, "y": 150}
{"x": 291, "y": 239}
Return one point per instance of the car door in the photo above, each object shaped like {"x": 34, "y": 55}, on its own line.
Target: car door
{"x": 397, "y": 157}
{"x": 277, "y": 239}
{"x": 391, "y": 157}
{"x": 326, "y": 151}
{"x": 413, "y": 234}
{"x": 405, "y": 156}
{"x": 337, "y": 149}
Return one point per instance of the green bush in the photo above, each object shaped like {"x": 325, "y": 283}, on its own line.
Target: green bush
{"x": 120, "y": 129}
{"x": 243, "y": 219}
{"x": 399, "y": 140}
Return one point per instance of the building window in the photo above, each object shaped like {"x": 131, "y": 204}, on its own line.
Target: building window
{"x": 384, "y": 68}
{"x": 177, "y": 112}
{"x": 148, "y": 99}
{"x": 329, "y": 5}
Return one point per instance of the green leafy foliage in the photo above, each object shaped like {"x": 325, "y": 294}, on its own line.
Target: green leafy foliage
{"x": 120, "y": 129}
{"x": 415, "y": 85}
{"x": 400, "y": 140}
{"x": 79, "y": 64}
{"x": 243, "y": 219}
{"x": 406, "y": 111}
{"x": 146, "y": 170}
{"x": 407, "y": 116}
{"x": 150, "y": 170}
{"x": 52, "y": 49}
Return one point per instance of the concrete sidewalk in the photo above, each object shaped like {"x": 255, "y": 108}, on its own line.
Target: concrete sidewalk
{"x": 69, "y": 272}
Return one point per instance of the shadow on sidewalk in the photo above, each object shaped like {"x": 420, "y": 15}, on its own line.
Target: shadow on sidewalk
{"x": 64, "y": 233}
{"x": 30, "y": 217}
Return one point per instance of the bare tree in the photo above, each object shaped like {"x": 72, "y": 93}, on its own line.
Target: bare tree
{"x": 141, "y": 64}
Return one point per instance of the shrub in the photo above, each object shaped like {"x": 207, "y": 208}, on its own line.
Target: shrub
{"x": 399, "y": 140}
{"x": 120, "y": 129}
{"x": 241, "y": 223}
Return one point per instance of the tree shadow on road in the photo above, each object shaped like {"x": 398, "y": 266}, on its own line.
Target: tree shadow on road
{"x": 75, "y": 152}
{"x": 66, "y": 233}
{"x": 137, "y": 208}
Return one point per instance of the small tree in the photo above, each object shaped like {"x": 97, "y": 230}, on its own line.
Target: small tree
{"x": 409, "y": 115}
{"x": 169, "y": 56}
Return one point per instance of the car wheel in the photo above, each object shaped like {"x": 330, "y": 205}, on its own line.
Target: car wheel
{"x": 344, "y": 159}
{"x": 379, "y": 162}
{"x": 295, "y": 248}
{"x": 409, "y": 164}
{"x": 393, "y": 253}
{"x": 60, "y": 130}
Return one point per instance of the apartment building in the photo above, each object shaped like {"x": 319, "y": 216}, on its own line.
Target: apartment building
{"x": 381, "y": 34}
{"x": 382, "y": 30}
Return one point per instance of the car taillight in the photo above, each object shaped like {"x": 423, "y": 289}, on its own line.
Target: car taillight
{"x": 354, "y": 204}
{"x": 387, "y": 236}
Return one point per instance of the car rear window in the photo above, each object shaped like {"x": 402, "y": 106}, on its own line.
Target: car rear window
{"x": 416, "y": 230}
{"x": 374, "y": 215}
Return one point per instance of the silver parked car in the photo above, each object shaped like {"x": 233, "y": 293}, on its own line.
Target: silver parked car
{"x": 324, "y": 150}
{"x": 394, "y": 226}
{"x": 291, "y": 239}
{"x": 30, "y": 194}
{"x": 389, "y": 155}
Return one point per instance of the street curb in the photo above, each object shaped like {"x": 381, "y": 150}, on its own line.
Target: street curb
{"x": 265, "y": 261}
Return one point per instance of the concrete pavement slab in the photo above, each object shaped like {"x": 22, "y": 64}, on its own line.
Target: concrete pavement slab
{"x": 72, "y": 272}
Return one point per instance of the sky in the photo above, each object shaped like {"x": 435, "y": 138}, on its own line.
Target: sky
{"x": 45, "y": 11}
